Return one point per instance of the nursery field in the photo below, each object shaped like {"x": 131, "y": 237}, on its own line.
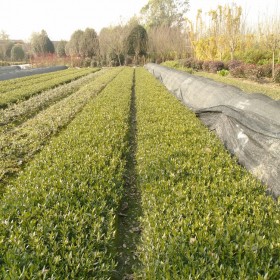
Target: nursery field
{"x": 105, "y": 175}
{"x": 23, "y": 88}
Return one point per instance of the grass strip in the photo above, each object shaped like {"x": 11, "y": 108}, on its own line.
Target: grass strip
{"x": 204, "y": 216}
{"x": 19, "y": 145}
{"x": 17, "y": 113}
{"x": 32, "y": 88}
{"x": 58, "y": 216}
{"x": 271, "y": 90}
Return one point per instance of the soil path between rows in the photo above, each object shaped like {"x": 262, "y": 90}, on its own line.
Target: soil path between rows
{"x": 128, "y": 224}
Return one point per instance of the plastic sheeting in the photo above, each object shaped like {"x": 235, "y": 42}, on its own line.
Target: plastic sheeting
{"x": 16, "y": 72}
{"x": 8, "y": 69}
{"x": 248, "y": 124}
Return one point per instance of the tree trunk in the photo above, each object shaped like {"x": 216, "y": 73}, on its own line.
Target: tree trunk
{"x": 144, "y": 60}
{"x": 119, "y": 59}
{"x": 273, "y": 64}
{"x": 231, "y": 54}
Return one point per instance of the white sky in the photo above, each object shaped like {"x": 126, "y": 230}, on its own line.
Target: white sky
{"x": 60, "y": 18}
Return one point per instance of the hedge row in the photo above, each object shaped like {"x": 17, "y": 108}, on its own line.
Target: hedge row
{"x": 58, "y": 217}
{"x": 19, "y": 145}
{"x": 204, "y": 216}
{"x": 237, "y": 69}
{"x": 32, "y": 88}
{"x": 253, "y": 72}
{"x": 17, "y": 113}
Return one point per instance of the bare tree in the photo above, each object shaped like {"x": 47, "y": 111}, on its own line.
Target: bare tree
{"x": 270, "y": 34}
{"x": 167, "y": 43}
{"x": 219, "y": 34}
{"x": 60, "y": 48}
{"x": 233, "y": 26}
{"x": 41, "y": 43}
{"x": 4, "y": 36}
{"x": 105, "y": 42}
{"x": 73, "y": 46}
{"x": 5, "y": 46}
{"x": 119, "y": 33}
{"x": 112, "y": 42}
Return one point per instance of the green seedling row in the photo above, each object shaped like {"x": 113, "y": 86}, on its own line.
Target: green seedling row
{"x": 58, "y": 217}
{"x": 20, "y": 144}
{"x": 12, "y": 84}
{"x": 204, "y": 216}
{"x": 17, "y": 113}
{"x": 32, "y": 88}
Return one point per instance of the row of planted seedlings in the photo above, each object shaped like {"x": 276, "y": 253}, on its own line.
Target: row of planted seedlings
{"x": 204, "y": 216}
{"x": 19, "y": 145}
{"x": 58, "y": 216}
{"x": 17, "y": 113}
{"x": 11, "y": 84}
{"x": 22, "y": 92}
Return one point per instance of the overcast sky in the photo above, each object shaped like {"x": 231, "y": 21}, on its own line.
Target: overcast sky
{"x": 60, "y": 18}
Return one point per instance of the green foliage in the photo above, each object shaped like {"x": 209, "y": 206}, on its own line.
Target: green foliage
{"x": 178, "y": 65}
{"x": 5, "y": 50}
{"x": 204, "y": 216}
{"x": 5, "y": 63}
{"x": 223, "y": 72}
{"x": 73, "y": 46}
{"x": 83, "y": 43}
{"x": 24, "y": 88}
{"x": 17, "y": 113}
{"x": 5, "y": 46}
{"x": 188, "y": 70}
{"x": 19, "y": 145}
{"x": 137, "y": 41}
{"x": 17, "y": 53}
{"x": 172, "y": 64}
{"x": 41, "y": 43}
{"x": 89, "y": 44}
{"x": 59, "y": 214}
{"x": 255, "y": 56}
{"x": 167, "y": 12}
{"x": 60, "y": 48}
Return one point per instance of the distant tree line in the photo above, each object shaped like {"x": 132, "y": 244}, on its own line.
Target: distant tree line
{"x": 223, "y": 34}
{"x": 159, "y": 33}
